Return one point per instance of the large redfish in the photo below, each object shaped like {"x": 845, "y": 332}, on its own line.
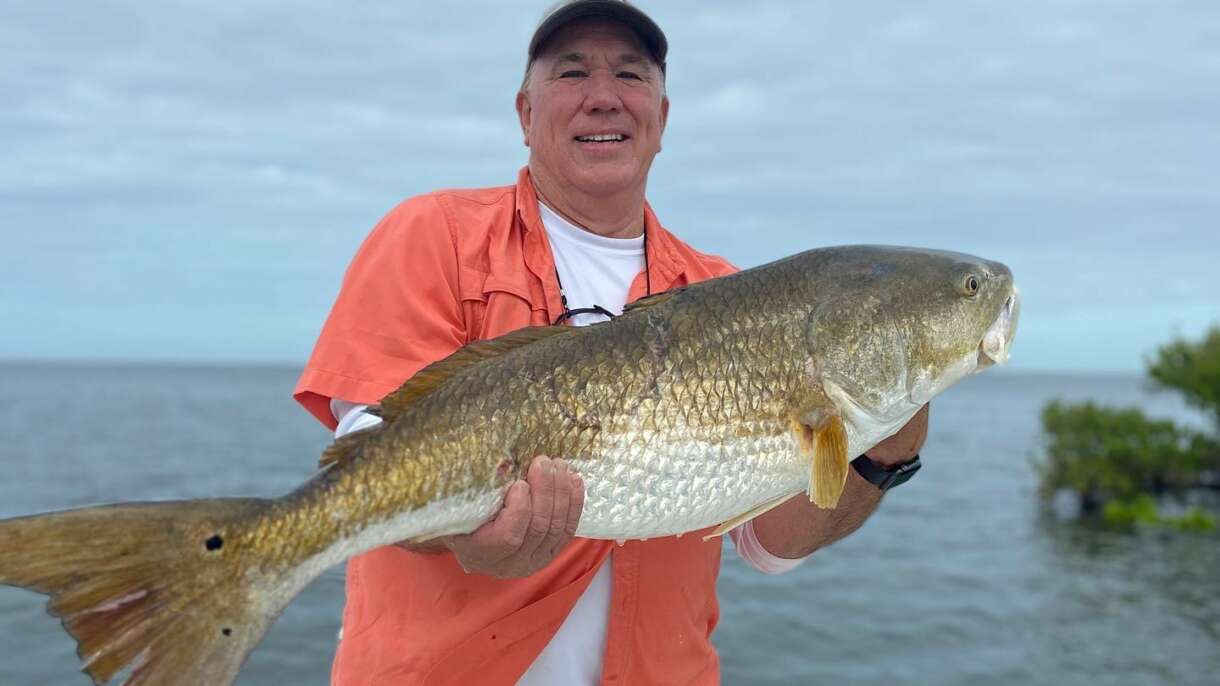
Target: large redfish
{"x": 699, "y": 407}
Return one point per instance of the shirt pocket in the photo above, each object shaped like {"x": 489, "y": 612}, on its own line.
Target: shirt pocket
{"x": 494, "y": 305}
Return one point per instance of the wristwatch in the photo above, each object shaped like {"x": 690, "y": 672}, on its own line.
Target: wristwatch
{"x": 884, "y": 478}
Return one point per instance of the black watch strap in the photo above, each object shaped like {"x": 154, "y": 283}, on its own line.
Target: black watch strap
{"x": 883, "y": 478}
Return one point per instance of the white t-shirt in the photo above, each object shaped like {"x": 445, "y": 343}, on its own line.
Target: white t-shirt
{"x": 594, "y": 270}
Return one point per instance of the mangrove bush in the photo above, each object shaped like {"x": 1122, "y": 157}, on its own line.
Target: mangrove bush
{"x": 1119, "y": 461}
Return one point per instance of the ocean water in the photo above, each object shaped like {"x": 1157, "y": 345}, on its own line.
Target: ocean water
{"x": 959, "y": 578}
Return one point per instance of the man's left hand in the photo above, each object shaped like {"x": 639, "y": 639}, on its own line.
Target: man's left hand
{"x": 903, "y": 445}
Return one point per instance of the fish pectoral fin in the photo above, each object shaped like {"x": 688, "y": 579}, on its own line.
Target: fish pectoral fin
{"x": 745, "y": 517}
{"x": 825, "y": 445}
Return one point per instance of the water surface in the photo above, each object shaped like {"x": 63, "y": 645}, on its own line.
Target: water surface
{"x": 958, "y": 579}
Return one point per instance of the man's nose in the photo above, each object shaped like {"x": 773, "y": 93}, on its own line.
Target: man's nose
{"x": 601, "y": 92}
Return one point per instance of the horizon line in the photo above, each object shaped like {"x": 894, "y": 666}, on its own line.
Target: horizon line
{"x": 197, "y": 363}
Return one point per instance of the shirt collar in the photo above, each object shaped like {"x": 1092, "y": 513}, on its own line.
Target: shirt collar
{"x": 665, "y": 266}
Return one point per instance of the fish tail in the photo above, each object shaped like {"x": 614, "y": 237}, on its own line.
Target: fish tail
{"x": 155, "y": 591}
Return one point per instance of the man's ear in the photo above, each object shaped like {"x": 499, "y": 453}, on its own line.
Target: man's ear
{"x": 664, "y": 118}
{"x": 524, "y": 114}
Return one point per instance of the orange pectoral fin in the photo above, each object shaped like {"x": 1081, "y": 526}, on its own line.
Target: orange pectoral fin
{"x": 825, "y": 446}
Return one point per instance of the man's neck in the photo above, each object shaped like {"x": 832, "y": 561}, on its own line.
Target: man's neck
{"x": 612, "y": 217}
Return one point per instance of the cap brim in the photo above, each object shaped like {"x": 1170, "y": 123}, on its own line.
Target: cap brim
{"x": 641, "y": 24}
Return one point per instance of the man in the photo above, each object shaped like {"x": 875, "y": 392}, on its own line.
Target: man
{"x": 520, "y": 600}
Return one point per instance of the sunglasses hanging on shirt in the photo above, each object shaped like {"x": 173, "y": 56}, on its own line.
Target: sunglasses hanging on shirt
{"x": 598, "y": 309}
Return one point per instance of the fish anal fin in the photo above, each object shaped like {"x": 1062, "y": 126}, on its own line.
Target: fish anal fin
{"x": 825, "y": 446}
{"x": 429, "y": 378}
{"x": 745, "y": 517}
{"x": 421, "y": 540}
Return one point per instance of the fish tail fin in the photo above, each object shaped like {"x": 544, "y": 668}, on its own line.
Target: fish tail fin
{"x": 159, "y": 591}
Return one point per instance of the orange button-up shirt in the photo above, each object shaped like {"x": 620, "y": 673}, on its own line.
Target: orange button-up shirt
{"x": 439, "y": 271}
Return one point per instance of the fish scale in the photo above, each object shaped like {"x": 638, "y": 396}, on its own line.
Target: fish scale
{"x": 695, "y": 408}
{"x": 699, "y": 427}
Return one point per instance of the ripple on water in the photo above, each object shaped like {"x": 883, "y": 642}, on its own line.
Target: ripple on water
{"x": 955, "y": 581}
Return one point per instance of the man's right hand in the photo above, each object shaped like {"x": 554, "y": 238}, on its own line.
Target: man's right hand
{"x": 538, "y": 519}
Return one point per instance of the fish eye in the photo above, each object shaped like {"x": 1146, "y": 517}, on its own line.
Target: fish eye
{"x": 971, "y": 284}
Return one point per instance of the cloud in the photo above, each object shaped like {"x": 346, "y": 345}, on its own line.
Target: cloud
{"x": 173, "y": 174}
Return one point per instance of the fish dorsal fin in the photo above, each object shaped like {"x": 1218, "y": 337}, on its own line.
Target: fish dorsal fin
{"x": 651, "y": 300}
{"x": 345, "y": 447}
{"x": 429, "y": 378}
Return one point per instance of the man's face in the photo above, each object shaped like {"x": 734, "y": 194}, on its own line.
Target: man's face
{"x": 593, "y": 109}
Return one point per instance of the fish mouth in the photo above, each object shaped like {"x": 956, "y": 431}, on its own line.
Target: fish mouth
{"x": 997, "y": 341}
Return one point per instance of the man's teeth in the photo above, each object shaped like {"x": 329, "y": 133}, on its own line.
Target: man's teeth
{"x": 601, "y": 138}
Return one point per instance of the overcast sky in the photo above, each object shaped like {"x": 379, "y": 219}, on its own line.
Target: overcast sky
{"x": 186, "y": 180}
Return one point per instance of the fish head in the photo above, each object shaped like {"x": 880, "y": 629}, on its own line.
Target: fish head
{"x": 893, "y": 327}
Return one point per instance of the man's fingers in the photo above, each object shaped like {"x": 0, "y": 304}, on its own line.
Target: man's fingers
{"x": 566, "y": 521}
{"x": 511, "y": 523}
{"x": 562, "y": 498}
{"x": 557, "y": 537}
{"x": 576, "y": 506}
{"x": 916, "y": 430}
{"x": 539, "y": 517}
{"x": 503, "y": 534}
{"x": 541, "y": 478}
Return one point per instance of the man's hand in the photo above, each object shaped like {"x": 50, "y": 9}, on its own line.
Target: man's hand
{"x": 903, "y": 445}
{"x": 797, "y": 527}
{"x": 538, "y": 519}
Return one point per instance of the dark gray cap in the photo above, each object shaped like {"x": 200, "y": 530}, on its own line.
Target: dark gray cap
{"x": 618, "y": 10}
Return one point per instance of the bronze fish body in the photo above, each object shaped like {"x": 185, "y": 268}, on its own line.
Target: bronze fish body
{"x": 698, "y": 407}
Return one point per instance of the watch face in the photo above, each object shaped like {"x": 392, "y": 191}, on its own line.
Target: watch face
{"x": 905, "y": 471}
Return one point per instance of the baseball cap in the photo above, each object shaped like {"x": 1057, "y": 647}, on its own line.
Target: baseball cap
{"x": 618, "y": 10}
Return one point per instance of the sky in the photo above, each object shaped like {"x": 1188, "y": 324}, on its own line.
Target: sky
{"x": 187, "y": 180}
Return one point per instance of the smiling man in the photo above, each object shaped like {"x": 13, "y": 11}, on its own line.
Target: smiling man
{"x": 520, "y": 600}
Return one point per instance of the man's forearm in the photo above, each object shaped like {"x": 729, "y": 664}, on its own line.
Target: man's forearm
{"x": 798, "y": 527}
